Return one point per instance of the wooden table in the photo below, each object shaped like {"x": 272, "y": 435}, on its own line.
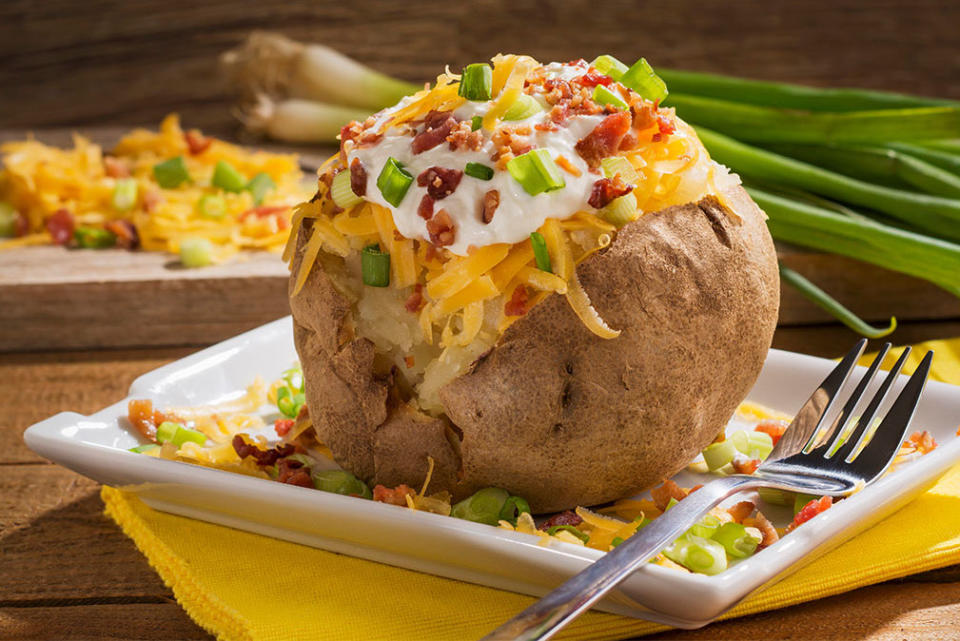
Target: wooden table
{"x": 66, "y": 571}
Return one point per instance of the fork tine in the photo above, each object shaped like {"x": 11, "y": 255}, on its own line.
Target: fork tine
{"x": 839, "y": 425}
{"x": 866, "y": 419}
{"x": 879, "y": 453}
{"x": 806, "y": 423}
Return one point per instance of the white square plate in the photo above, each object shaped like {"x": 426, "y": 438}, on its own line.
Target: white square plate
{"x": 96, "y": 446}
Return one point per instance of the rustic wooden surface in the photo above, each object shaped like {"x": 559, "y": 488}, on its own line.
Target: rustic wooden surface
{"x": 68, "y": 572}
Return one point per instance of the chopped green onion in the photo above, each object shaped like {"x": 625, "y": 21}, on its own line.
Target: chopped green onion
{"x": 141, "y": 449}
{"x": 617, "y": 540}
{"x": 394, "y": 181}
{"x": 756, "y": 445}
{"x": 227, "y": 178}
{"x": 196, "y": 252}
{"x": 523, "y": 107}
{"x": 476, "y": 122}
{"x": 642, "y": 79}
{"x": 644, "y": 521}
{"x": 290, "y": 404}
{"x": 212, "y": 206}
{"x": 166, "y": 431}
{"x": 706, "y": 527}
{"x": 716, "y": 455}
{"x": 304, "y": 459}
{"x": 800, "y": 501}
{"x": 340, "y": 482}
{"x": 671, "y": 503}
{"x": 171, "y": 173}
{"x": 484, "y": 506}
{"x": 823, "y": 300}
{"x": 698, "y": 554}
{"x": 613, "y": 165}
{"x": 375, "y": 266}
{"x": 124, "y": 194}
{"x": 603, "y": 96}
{"x": 536, "y": 172}
{"x": 736, "y": 540}
{"x": 479, "y": 171}
{"x": 259, "y": 186}
{"x": 571, "y": 529}
{"x": 540, "y": 252}
{"x": 8, "y": 220}
{"x": 512, "y": 508}
{"x": 621, "y": 211}
{"x": 184, "y": 435}
{"x": 609, "y": 66}
{"x": 775, "y": 497}
{"x": 342, "y": 192}
{"x": 94, "y": 237}
{"x": 294, "y": 378}
{"x": 476, "y": 82}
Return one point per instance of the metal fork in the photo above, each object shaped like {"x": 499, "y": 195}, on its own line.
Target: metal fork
{"x": 806, "y": 459}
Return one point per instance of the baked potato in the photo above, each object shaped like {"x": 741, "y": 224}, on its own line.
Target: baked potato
{"x": 570, "y": 383}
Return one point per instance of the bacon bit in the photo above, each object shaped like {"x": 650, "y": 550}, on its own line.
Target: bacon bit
{"x": 432, "y": 253}
{"x": 369, "y": 138}
{"x": 463, "y": 136}
{"x": 770, "y": 534}
{"x": 409, "y": 361}
{"x": 630, "y": 141}
{"x": 643, "y": 114}
{"x": 559, "y": 113}
{"x": 358, "y": 178}
{"x": 593, "y": 78}
{"x": 282, "y": 426}
{"x": 517, "y": 305}
{"x": 439, "y": 124}
{"x": 605, "y": 138}
{"x": 197, "y": 143}
{"x": 568, "y": 517}
{"x": 293, "y": 473}
{"x": 115, "y": 168}
{"x": 415, "y": 301}
{"x": 810, "y": 510}
{"x": 740, "y": 511}
{"x": 61, "y": 225}
{"x": 694, "y": 488}
{"x": 666, "y": 126}
{"x": 126, "y": 233}
{"x": 568, "y": 166}
{"x": 142, "y": 416}
{"x": 511, "y": 141}
{"x": 441, "y": 229}
{"x": 774, "y": 429}
{"x": 557, "y": 90}
{"x": 546, "y": 126}
{"x": 20, "y": 225}
{"x": 265, "y": 211}
{"x": 439, "y": 181}
{"x": 425, "y": 209}
{"x": 395, "y": 496}
{"x": 151, "y": 200}
{"x": 745, "y": 467}
{"x": 669, "y": 490}
{"x": 244, "y": 448}
{"x": 491, "y": 200}
{"x": 606, "y": 190}
{"x": 922, "y": 441}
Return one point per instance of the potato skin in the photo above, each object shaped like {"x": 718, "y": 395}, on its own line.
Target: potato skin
{"x": 554, "y": 413}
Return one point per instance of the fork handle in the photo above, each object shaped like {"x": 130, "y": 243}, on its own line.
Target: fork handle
{"x": 547, "y": 616}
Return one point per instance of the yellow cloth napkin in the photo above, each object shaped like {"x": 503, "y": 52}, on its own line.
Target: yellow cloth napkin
{"x": 239, "y": 585}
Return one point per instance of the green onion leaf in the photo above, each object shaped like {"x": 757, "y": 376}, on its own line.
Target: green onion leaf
{"x": 227, "y": 178}
{"x": 823, "y": 300}
{"x": 536, "y": 172}
{"x": 375, "y": 266}
{"x": 609, "y": 66}
{"x": 603, "y": 96}
{"x": 540, "y": 253}
{"x": 479, "y": 171}
{"x": 476, "y": 82}
{"x": 146, "y": 447}
{"x": 212, "y": 206}
{"x": 716, "y": 455}
{"x": 621, "y": 211}
{"x": 166, "y": 431}
{"x": 8, "y": 220}
{"x": 523, "y": 107}
{"x": 642, "y": 79}
{"x": 571, "y": 529}
{"x": 476, "y": 122}
{"x": 124, "y": 194}
{"x": 170, "y": 174}
{"x": 94, "y": 237}
{"x": 613, "y": 165}
{"x": 342, "y": 192}
{"x": 735, "y": 539}
{"x": 259, "y": 186}
{"x": 484, "y": 506}
{"x": 340, "y": 482}
{"x": 706, "y": 527}
{"x": 394, "y": 181}
{"x": 512, "y": 508}
{"x": 196, "y": 252}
